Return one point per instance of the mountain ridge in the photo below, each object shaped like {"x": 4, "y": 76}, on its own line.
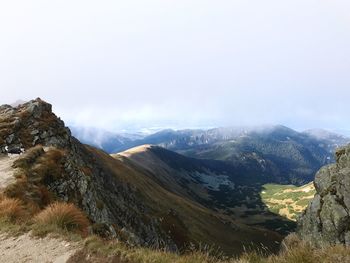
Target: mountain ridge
{"x": 120, "y": 197}
{"x": 282, "y": 154}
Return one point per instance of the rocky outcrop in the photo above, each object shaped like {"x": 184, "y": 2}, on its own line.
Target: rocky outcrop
{"x": 122, "y": 198}
{"x": 110, "y": 203}
{"x": 326, "y": 221}
{"x": 30, "y": 124}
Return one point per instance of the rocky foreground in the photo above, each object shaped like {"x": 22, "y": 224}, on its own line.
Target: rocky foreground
{"x": 26, "y": 248}
{"x": 326, "y": 221}
{"x": 79, "y": 177}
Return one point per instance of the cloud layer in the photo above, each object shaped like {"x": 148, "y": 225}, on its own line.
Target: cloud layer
{"x": 132, "y": 64}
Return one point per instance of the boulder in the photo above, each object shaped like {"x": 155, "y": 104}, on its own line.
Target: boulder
{"x": 326, "y": 221}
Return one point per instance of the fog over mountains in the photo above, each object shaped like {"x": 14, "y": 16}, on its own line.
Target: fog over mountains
{"x": 117, "y": 141}
{"x": 272, "y": 153}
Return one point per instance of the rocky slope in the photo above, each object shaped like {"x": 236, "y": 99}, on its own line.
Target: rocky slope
{"x": 327, "y": 219}
{"x": 109, "y": 202}
{"x": 121, "y": 198}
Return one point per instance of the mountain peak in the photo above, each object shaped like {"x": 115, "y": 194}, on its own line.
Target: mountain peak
{"x": 136, "y": 150}
{"x": 30, "y": 124}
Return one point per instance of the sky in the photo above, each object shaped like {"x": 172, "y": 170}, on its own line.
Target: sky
{"x": 129, "y": 65}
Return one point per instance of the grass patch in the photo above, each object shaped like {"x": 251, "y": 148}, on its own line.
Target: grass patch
{"x": 11, "y": 209}
{"x": 293, "y": 250}
{"x": 35, "y": 170}
{"x": 62, "y": 216}
{"x": 287, "y": 200}
{"x": 103, "y": 249}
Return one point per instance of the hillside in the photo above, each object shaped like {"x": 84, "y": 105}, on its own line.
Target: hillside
{"x": 122, "y": 199}
{"x": 213, "y": 184}
{"x": 281, "y": 154}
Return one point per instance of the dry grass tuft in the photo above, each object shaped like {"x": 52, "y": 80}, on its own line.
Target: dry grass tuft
{"x": 290, "y": 242}
{"x": 11, "y": 209}
{"x": 29, "y": 157}
{"x": 63, "y": 216}
{"x": 35, "y": 170}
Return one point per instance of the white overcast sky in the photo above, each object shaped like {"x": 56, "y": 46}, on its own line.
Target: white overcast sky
{"x": 123, "y": 64}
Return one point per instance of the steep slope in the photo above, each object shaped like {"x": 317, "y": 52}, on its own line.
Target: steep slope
{"x": 121, "y": 198}
{"x": 327, "y": 220}
{"x": 213, "y": 184}
{"x": 69, "y": 171}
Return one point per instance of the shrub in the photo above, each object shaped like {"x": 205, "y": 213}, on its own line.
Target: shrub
{"x": 63, "y": 216}
{"x": 11, "y": 209}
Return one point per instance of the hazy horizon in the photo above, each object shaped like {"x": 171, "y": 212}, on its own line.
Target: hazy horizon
{"x": 133, "y": 65}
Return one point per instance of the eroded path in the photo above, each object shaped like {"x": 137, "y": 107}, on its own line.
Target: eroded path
{"x": 28, "y": 249}
{"x": 6, "y": 170}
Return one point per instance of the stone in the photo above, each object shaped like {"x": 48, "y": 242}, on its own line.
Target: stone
{"x": 10, "y": 138}
{"x": 14, "y": 149}
{"x": 326, "y": 221}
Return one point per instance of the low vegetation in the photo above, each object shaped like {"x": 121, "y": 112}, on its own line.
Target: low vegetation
{"x": 287, "y": 200}
{"x": 63, "y": 216}
{"x": 34, "y": 170}
{"x": 293, "y": 250}
{"x": 11, "y": 209}
{"x": 28, "y": 204}
{"x": 67, "y": 220}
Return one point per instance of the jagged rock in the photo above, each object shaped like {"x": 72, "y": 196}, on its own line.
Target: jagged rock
{"x": 326, "y": 221}
{"x": 10, "y": 138}
{"x": 103, "y": 230}
{"x": 88, "y": 184}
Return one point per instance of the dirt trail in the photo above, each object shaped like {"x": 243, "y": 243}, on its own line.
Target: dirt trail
{"x": 27, "y": 249}
{"x": 6, "y": 170}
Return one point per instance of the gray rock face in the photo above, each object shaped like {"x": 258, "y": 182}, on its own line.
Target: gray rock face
{"x": 110, "y": 203}
{"x": 30, "y": 124}
{"x": 326, "y": 221}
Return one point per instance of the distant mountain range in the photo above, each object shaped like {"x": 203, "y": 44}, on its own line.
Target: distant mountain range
{"x": 270, "y": 154}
